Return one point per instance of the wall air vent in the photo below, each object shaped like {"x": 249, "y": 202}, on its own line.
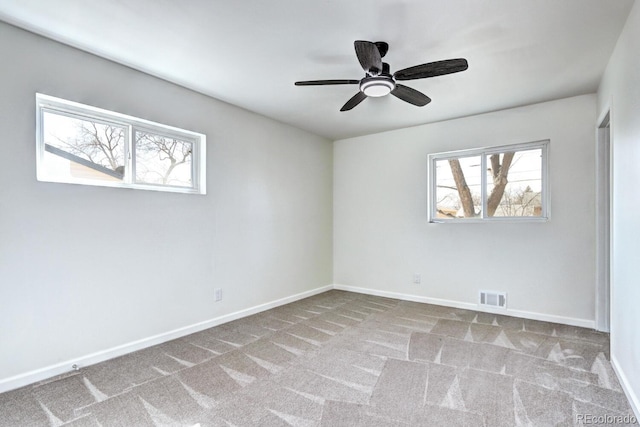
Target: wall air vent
{"x": 493, "y": 299}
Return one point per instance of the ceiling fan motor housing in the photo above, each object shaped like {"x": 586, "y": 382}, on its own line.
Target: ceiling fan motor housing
{"x": 377, "y": 86}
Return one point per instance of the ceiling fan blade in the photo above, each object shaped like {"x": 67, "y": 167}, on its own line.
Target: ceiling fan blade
{"x": 383, "y": 48}
{"x": 355, "y": 100}
{"x": 432, "y": 69}
{"x": 410, "y": 95}
{"x": 369, "y": 57}
{"x": 327, "y": 82}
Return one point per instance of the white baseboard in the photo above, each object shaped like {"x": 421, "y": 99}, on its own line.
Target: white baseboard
{"x": 100, "y": 356}
{"x": 34, "y": 376}
{"x": 406, "y": 297}
{"x": 632, "y": 397}
{"x": 584, "y": 323}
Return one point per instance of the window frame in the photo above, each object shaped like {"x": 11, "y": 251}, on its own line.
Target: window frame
{"x": 75, "y": 110}
{"x": 483, "y": 153}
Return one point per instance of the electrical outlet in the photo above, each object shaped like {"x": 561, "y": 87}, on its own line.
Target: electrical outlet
{"x": 417, "y": 278}
{"x": 217, "y": 294}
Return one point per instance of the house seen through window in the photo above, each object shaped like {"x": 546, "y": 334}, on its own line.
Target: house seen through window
{"x": 85, "y": 145}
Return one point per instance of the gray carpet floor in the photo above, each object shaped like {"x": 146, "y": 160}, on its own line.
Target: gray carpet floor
{"x": 342, "y": 359}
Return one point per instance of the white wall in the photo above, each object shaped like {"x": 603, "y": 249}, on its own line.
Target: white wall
{"x": 620, "y": 91}
{"x": 382, "y": 236}
{"x": 86, "y": 269}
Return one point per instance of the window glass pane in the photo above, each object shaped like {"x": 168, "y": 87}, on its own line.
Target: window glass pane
{"x": 162, "y": 160}
{"x": 77, "y": 148}
{"x": 86, "y": 145}
{"x": 514, "y": 184}
{"x": 458, "y": 187}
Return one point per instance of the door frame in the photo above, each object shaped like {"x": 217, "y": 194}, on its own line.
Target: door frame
{"x": 604, "y": 220}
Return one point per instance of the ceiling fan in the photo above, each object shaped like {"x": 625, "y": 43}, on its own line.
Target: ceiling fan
{"x": 378, "y": 81}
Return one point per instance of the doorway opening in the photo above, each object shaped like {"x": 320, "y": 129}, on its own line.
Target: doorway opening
{"x": 603, "y": 223}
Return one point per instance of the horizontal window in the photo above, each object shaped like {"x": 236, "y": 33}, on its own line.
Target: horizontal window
{"x": 80, "y": 144}
{"x": 498, "y": 183}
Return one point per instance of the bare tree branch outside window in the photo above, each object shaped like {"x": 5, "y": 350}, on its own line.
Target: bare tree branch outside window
{"x": 158, "y": 157}
{"x": 510, "y": 179}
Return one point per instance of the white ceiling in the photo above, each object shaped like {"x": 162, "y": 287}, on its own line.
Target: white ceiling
{"x": 250, "y": 52}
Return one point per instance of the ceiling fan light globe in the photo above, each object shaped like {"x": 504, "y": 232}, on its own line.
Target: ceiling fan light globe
{"x": 377, "y": 87}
